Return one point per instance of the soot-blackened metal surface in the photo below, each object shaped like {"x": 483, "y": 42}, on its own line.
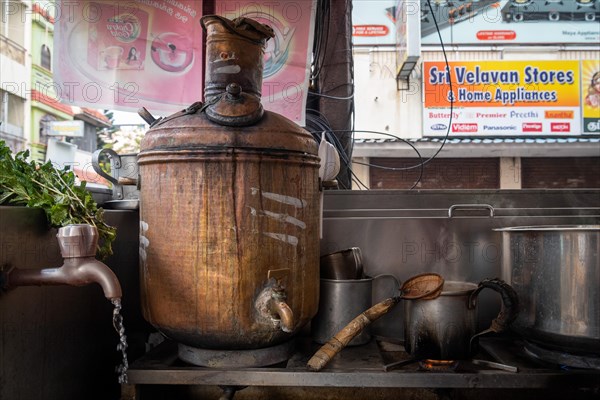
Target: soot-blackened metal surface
{"x": 362, "y": 366}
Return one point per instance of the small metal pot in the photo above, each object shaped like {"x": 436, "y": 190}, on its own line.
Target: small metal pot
{"x": 445, "y": 328}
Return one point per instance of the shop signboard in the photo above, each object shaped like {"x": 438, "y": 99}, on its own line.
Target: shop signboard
{"x": 590, "y": 94}
{"x": 502, "y": 98}
{"x": 373, "y": 22}
{"x": 493, "y": 22}
{"x": 287, "y": 56}
{"x": 128, "y": 54}
{"x": 66, "y": 128}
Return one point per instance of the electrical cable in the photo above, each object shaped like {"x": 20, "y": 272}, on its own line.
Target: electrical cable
{"x": 449, "y": 82}
{"x": 351, "y": 84}
{"x": 324, "y": 128}
{"x": 314, "y": 110}
{"x": 333, "y": 97}
{"x": 323, "y": 28}
{"x": 324, "y": 12}
{"x": 319, "y": 123}
{"x": 343, "y": 156}
{"x": 422, "y": 162}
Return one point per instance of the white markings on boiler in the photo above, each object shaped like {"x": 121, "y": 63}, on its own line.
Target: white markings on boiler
{"x": 280, "y": 198}
{"x": 293, "y": 240}
{"x": 286, "y": 218}
{"x": 144, "y": 244}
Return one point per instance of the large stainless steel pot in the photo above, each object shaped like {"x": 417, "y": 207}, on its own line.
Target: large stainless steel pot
{"x": 556, "y": 272}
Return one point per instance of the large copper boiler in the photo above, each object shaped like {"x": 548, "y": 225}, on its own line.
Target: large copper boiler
{"x": 229, "y": 208}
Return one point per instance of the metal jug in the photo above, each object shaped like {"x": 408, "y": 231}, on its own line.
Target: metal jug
{"x": 445, "y": 328}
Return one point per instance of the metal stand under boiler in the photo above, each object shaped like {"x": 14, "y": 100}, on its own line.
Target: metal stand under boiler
{"x": 236, "y": 358}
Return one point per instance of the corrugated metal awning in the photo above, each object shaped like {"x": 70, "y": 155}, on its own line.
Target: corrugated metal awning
{"x": 573, "y": 146}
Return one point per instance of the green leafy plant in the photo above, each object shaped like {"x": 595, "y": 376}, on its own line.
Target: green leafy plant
{"x": 27, "y": 183}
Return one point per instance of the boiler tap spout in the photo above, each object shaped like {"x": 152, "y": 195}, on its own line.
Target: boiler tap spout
{"x": 280, "y": 308}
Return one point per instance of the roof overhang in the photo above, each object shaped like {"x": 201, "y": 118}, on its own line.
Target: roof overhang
{"x": 478, "y": 148}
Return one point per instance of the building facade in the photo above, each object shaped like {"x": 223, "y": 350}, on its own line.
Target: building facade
{"x": 15, "y": 73}
{"x": 29, "y": 97}
{"x": 532, "y": 155}
{"x": 45, "y": 105}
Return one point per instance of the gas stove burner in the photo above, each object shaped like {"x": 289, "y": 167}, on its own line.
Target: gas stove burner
{"x": 236, "y": 358}
{"x": 586, "y": 3}
{"x": 588, "y": 361}
{"x": 438, "y": 365}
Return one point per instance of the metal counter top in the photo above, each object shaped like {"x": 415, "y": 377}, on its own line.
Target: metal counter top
{"x": 363, "y": 366}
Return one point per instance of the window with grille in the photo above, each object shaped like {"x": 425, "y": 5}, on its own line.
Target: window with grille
{"x": 46, "y": 57}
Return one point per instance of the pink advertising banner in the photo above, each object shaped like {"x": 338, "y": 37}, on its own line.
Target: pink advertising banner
{"x": 129, "y": 54}
{"x": 287, "y": 56}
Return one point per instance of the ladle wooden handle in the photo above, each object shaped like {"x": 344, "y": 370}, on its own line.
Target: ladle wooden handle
{"x": 322, "y": 357}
